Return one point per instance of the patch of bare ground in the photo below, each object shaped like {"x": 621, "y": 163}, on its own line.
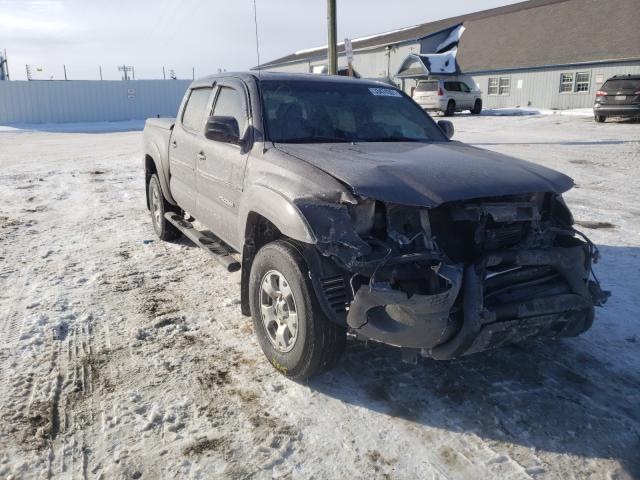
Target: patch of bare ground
{"x": 594, "y": 224}
{"x": 203, "y": 445}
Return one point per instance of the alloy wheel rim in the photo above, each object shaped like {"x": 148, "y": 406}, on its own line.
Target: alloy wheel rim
{"x": 278, "y": 311}
{"x": 155, "y": 206}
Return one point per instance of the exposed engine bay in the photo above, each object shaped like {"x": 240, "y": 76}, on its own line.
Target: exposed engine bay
{"x": 459, "y": 278}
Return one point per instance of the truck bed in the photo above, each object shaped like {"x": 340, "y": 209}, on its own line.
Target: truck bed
{"x": 156, "y": 136}
{"x": 164, "y": 123}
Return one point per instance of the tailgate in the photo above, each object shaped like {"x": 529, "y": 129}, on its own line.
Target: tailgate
{"x": 425, "y": 97}
{"x": 426, "y": 92}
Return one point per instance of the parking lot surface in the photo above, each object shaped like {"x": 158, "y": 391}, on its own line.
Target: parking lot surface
{"x": 126, "y": 357}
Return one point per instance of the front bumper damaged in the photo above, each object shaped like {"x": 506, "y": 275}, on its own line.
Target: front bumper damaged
{"x": 537, "y": 292}
{"x": 382, "y": 313}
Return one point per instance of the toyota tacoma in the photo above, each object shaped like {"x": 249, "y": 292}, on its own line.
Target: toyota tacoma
{"x": 347, "y": 209}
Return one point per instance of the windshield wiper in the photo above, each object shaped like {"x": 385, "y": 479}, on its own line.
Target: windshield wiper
{"x": 393, "y": 139}
{"x": 316, "y": 139}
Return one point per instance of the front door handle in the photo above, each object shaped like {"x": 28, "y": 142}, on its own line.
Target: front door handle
{"x": 202, "y": 156}
{"x": 174, "y": 144}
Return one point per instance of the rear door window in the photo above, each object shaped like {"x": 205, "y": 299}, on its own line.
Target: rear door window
{"x": 193, "y": 116}
{"x": 452, "y": 86}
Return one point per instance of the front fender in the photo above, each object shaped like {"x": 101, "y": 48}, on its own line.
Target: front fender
{"x": 278, "y": 210}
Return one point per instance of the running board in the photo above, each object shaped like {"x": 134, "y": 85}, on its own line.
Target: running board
{"x": 213, "y": 245}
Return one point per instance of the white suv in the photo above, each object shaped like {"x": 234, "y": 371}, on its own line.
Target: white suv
{"x": 448, "y": 96}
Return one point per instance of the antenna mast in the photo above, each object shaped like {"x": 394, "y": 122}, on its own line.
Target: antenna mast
{"x": 255, "y": 21}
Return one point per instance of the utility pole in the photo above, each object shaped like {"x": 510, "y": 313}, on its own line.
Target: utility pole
{"x": 193, "y": 73}
{"x": 4, "y": 66}
{"x": 100, "y": 68}
{"x": 133, "y": 72}
{"x": 164, "y": 76}
{"x": 332, "y": 48}
{"x": 125, "y": 69}
{"x": 64, "y": 67}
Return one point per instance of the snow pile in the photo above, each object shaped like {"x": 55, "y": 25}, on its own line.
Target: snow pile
{"x": 573, "y": 112}
{"x": 453, "y": 38}
{"x": 85, "y": 127}
{"x": 523, "y": 111}
{"x": 509, "y": 112}
{"x": 440, "y": 62}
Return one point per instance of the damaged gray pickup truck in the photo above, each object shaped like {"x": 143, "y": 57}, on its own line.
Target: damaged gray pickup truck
{"x": 348, "y": 209}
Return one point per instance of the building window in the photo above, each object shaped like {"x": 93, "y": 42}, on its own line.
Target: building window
{"x": 566, "y": 82}
{"x": 493, "y": 86}
{"x": 582, "y": 82}
{"x": 505, "y": 86}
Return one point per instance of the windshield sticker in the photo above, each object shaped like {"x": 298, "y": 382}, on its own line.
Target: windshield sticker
{"x": 385, "y": 92}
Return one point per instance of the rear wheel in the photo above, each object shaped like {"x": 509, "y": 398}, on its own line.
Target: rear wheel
{"x": 451, "y": 108}
{"x": 477, "y": 107}
{"x": 293, "y": 332}
{"x": 600, "y": 118}
{"x": 158, "y": 206}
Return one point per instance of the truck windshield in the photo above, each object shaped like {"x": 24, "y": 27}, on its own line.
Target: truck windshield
{"x": 299, "y": 111}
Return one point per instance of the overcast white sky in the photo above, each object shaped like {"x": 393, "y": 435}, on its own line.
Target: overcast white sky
{"x": 205, "y": 34}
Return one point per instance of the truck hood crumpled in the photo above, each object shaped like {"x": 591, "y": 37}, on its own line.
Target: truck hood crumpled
{"x": 427, "y": 174}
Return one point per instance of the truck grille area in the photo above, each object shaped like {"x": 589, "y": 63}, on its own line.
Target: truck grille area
{"x": 334, "y": 290}
{"x": 467, "y": 276}
{"x": 466, "y": 231}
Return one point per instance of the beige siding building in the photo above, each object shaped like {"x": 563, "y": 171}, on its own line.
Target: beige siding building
{"x": 538, "y": 53}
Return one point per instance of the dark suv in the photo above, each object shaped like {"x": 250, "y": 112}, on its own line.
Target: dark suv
{"x": 618, "y": 97}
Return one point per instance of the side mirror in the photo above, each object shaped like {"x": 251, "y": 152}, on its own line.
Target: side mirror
{"x": 447, "y": 127}
{"x": 223, "y": 129}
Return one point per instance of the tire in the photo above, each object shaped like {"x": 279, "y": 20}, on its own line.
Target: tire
{"x": 316, "y": 344}
{"x": 477, "y": 107}
{"x": 158, "y": 206}
{"x": 451, "y": 108}
{"x": 600, "y": 118}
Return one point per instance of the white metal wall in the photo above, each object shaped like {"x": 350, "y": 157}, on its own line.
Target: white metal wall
{"x": 541, "y": 88}
{"x": 88, "y": 101}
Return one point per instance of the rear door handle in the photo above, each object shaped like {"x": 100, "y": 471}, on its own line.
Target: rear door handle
{"x": 202, "y": 156}
{"x": 174, "y": 144}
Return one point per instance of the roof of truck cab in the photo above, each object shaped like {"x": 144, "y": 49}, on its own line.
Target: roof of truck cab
{"x": 283, "y": 76}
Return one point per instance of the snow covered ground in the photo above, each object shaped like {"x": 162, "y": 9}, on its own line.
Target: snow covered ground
{"x": 126, "y": 357}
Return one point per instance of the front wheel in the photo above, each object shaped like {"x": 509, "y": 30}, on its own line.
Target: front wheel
{"x": 477, "y": 107}
{"x": 451, "y": 108}
{"x": 293, "y": 331}
{"x": 600, "y": 118}
{"x": 158, "y": 206}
